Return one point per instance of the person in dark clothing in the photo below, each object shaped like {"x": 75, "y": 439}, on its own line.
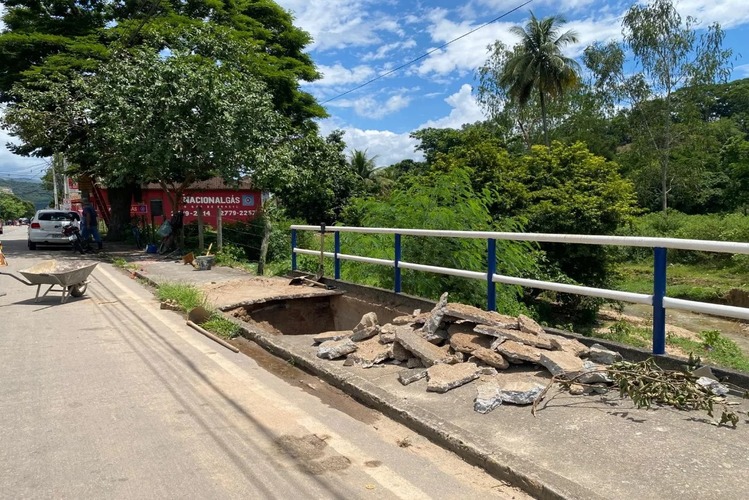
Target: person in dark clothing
{"x": 89, "y": 224}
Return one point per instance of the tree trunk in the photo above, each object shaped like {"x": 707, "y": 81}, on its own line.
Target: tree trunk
{"x": 543, "y": 117}
{"x": 120, "y": 201}
{"x": 264, "y": 245}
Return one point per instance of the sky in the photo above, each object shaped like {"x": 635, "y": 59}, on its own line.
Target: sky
{"x": 355, "y": 41}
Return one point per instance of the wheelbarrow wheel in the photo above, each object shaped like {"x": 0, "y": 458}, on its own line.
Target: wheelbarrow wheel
{"x": 78, "y": 290}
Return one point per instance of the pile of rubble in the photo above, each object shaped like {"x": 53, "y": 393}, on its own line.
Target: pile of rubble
{"x": 455, "y": 344}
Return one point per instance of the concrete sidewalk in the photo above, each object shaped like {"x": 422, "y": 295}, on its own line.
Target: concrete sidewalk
{"x": 576, "y": 447}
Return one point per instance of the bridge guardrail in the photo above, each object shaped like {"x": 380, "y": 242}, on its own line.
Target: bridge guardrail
{"x": 658, "y": 299}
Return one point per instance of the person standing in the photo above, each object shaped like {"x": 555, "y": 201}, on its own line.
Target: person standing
{"x": 90, "y": 226}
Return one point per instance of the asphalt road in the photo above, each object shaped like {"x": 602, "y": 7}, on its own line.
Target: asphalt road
{"x": 108, "y": 396}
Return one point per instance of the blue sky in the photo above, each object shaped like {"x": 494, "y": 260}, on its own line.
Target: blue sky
{"x": 357, "y": 40}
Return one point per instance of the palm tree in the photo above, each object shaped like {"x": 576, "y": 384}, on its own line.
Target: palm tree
{"x": 537, "y": 64}
{"x": 362, "y": 164}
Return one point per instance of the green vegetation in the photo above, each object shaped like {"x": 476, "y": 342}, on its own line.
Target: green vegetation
{"x": 713, "y": 347}
{"x": 221, "y": 326}
{"x": 12, "y": 207}
{"x": 34, "y": 193}
{"x": 186, "y": 296}
{"x": 121, "y": 263}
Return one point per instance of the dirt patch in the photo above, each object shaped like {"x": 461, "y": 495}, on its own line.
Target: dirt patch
{"x": 309, "y": 453}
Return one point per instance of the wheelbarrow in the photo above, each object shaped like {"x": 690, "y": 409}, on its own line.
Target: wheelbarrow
{"x": 71, "y": 277}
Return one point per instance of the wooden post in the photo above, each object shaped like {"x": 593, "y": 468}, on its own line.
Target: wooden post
{"x": 201, "y": 243}
{"x": 219, "y": 232}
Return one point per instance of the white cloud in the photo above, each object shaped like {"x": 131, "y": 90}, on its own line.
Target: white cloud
{"x": 390, "y": 147}
{"x": 337, "y": 24}
{"x": 464, "y": 110}
{"x": 729, "y": 13}
{"x": 339, "y": 75}
{"x": 386, "y": 50}
{"x": 370, "y": 107}
{"x": 741, "y": 71}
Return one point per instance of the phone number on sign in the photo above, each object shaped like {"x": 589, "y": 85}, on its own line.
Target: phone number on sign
{"x": 230, "y": 213}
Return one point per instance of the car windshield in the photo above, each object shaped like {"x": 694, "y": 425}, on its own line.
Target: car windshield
{"x": 56, "y": 216}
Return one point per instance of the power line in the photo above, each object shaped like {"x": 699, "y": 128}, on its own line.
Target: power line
{"x": 422, "y": 56}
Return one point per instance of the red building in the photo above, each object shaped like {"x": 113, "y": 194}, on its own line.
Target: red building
{"x": 236, "y": 204}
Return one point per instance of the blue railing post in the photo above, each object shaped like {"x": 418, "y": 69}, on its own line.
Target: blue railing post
{"x": 293, "y": 246}
{"x": 491, "y": 268}
{"x": 659, "y": 291}
{"x": 397, "y": 287}
{"x": 337, "y": 251}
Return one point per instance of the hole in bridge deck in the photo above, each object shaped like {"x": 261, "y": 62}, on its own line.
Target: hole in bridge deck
{"x": 311, "y": 315}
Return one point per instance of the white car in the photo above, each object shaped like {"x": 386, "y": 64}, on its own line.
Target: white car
{"x": 45, "y": 228}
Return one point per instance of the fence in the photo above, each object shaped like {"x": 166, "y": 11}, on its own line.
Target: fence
{"x": 657, "y": 300}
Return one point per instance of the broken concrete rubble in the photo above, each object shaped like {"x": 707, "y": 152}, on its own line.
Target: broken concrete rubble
{"x": 406, "y": 377}
{"x": 371, "y": 352}
{"x": 515, "y": 352}
{"x": 562, "y": 364}
{"x": 437, "y": 344}
{"x": 368, "y": 327}
{"x": 441, "y": 378}
{"x": 435, "y": 318}
{"x": 542, "y": 341}
{"x": 600, "y": 354}
{"x": 498, "y": 390}
{"x": 468, "y": 342}
{"x": 713, "y": 386}
{"x": 491, "y": 358}
{"x": 476, "y": 315}
{"x": 427, "y": 352}
{"x": 333, "y": 349}
{"x": 331, "y": 335}
{"x": 528, "y": 325}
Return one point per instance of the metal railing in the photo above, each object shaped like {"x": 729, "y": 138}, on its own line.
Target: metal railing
{"x": 658, "y": 299}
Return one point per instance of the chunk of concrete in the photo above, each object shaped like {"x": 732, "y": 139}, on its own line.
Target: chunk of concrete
{"x": 333, "y": 349}
{"x": 541, "y": 341}
{"x": 599, "y": 354}
{"x": 331, "y": 335}
{"x": 460, "y": 326}
{"x": 433, "y": 322}
{"x": 370, "y": 352}
{"x": 497, "y": 390}
{"x": 399, "y": 352}
{"x": 704, "y": 371}
{"x": 491, "y": 358}
{"x": 414, "y": 362}
{"x": 487, "y": 397}
{"x": 562, "y": 363}
{"x": 402, "y": 320}
{"x": 519, "y": 392}
{"x": 429, "y": 353}
{"x": 711, "y": 385}
{"x": 571, "y": 346}
{"x": 442, "y": 378}
{"x": 528, "y": 325}
{"x": 387, "y": 333}
{"x": 367, "y": 328}
{"x": 593, "y": 373}
{"x": 365, "y": 333}
{"x": 469, "y": 342}
{"x": 476, "y": 315}
{"x": 515, "y": 352}
{"x": 406, "y": 377}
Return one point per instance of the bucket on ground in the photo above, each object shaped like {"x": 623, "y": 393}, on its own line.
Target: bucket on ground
{"x": 204, "y": 262}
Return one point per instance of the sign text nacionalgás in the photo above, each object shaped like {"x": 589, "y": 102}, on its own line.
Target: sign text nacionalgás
{"x": 234, "y": 205}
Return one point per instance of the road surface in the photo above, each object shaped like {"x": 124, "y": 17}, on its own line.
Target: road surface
{"x": 108, "y": 396}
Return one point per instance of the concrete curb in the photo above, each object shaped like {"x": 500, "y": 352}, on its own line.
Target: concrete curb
{"x": 502, "y": 464}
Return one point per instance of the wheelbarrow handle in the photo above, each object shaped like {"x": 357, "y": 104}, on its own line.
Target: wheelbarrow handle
{"x": 28, "y": 283}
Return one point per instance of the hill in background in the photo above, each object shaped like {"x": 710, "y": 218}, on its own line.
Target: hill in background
{"x": 29, "y": 191}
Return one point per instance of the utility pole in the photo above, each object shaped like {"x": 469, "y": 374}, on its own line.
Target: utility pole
{"x": 55, "y": 158}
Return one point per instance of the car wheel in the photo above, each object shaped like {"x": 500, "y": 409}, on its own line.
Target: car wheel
{"x": 32, "y": 245}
